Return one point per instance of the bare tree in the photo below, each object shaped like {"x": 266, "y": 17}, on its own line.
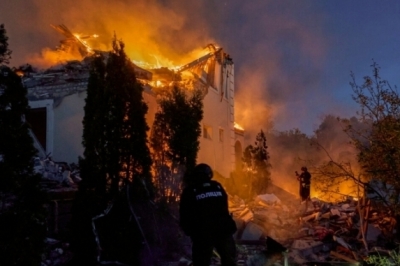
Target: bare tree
{"x": 378, "y": 143}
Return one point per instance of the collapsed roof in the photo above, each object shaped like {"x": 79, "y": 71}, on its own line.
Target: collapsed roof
{"x": 72, "y": 76}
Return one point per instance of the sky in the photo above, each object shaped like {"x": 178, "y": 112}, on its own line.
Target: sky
{"x": 293, "y": 58}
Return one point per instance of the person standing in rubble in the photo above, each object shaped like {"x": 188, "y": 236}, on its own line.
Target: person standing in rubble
{"x": 305, "y": 183}
{"x": 205, "y": 218}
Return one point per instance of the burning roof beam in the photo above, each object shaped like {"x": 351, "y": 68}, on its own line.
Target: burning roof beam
{"x": 72, "y": 41}
{"x": 198, "y": 61}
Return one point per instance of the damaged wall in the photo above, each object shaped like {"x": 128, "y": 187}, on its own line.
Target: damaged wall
{"x": 65, "y": 87}
{"x": 68, "y": 128}
{"x": 218, "y": 149}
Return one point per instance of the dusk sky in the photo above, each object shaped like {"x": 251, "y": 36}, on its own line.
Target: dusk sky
{"x": 292, "y": 58}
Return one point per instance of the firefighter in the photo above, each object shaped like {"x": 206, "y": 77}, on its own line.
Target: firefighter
{"x": 305, "y": 183}
{"x": 205, "y": 218}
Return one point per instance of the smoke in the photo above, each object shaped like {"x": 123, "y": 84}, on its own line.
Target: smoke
{"x": 279, "y": 49}
{"x": 152, "y": 31}
{"x": 282, "y": 51}
{"x": 290, "y": 151}
{"x": 282, "y": 65}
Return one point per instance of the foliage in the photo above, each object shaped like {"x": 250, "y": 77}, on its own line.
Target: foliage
{"x": 370, "y": 157}
{"x": 86, "y": 205}
{"x": 23, "y": 226}
{"x": 92, "y": 167}
{"x": 22, "y": 213}
{"x": 175, "y": 138}
{"x": 16, "y": 145}
{"x": 256, "y": 160}
{"x": 336, "y": 173}
{"x": 5, "y": 53}
{"x": 292, "y": 140}
{"x": 127, "y": 128}
{"x": 115, "y": 146}
{"x": 391, "y": 259}
{"x": 118, "y": 234}
{"x": 115, "y": 128}
{"x": 336, "y": 179}
{"x": 294, "y": 148}
{"x": 379, "y": 142}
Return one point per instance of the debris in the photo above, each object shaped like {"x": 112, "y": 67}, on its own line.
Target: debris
{"x": 268, "y": 199}
{"x": 59, "y": 172}
{"x": 252, "y": 232}
{"x": 184, "y": 262}
{"x": 327, "y": 232}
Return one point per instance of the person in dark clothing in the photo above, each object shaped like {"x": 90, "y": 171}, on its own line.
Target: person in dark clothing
{"x": 305, "y": 183}
{"x": 205, "y": 218}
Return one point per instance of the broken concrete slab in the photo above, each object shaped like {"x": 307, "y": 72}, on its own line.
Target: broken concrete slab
{"x": 268, "y": 199}
{"x": 252, "y": 232}
{"x": 307, "y": 247}
{"x": 317, "y": 226}
{"x": 335, "y": 212}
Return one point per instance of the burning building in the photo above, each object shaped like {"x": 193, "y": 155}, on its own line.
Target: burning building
{"x": 57, "y": 98}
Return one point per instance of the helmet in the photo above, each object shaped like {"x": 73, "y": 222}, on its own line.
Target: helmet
{"x": 203, "y": 171}
{"x": 304, "y": 168}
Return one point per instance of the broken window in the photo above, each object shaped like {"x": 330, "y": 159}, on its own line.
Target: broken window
{"x": 207, "y": 132}
{"x": 37, "y": 119}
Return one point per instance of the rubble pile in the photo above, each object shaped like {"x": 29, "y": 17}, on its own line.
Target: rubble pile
{"x": 56, "y": 175}
{"x": 281, "y": 231}
{"x": 57, "y": 81}
{"x": 316, "y": 232}
{"x": 312, "y": 233}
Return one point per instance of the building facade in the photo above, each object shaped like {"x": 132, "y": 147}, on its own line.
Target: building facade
{"x": 57, "y": 100}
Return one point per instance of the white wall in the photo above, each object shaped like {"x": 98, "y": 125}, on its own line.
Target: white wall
{"x": 68, "y": 128}
{"x": 218, "y": 114}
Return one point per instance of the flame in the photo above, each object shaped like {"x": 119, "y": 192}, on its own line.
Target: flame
{"x": 139, "y": 55}
{"x": 336, "y": 194}
{"x": 157, "y": 83}
{"x": 153, "y": 61}
{"x": 88, "y": 48}
{"x": 237, "y": 126}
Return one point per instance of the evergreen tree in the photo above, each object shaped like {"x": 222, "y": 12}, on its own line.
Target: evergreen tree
{"x": 88, "y": 202}
{"x": 116, "y": 151}
{"x": 161, "y": 162}
{"x": 127, "y": 154}
{"x": 5, "y": 53}
{"x": 256, "y": 159}
{"x": 115, "y": 127}
{"x": 175, "y": 137}
{"x": 184, "y": 115}
{"x": 92, "y": 166}
{"x": 22, "y": 216}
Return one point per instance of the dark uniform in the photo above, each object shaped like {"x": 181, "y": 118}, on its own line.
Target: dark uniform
{"x": 305, "y": 184}
{"x": 204, "y": 216}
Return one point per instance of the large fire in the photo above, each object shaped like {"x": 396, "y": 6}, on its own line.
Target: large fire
{"x": 162, "y": 66}
{"x": 159, "y": 61}
{"x": 76, "y": 46}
